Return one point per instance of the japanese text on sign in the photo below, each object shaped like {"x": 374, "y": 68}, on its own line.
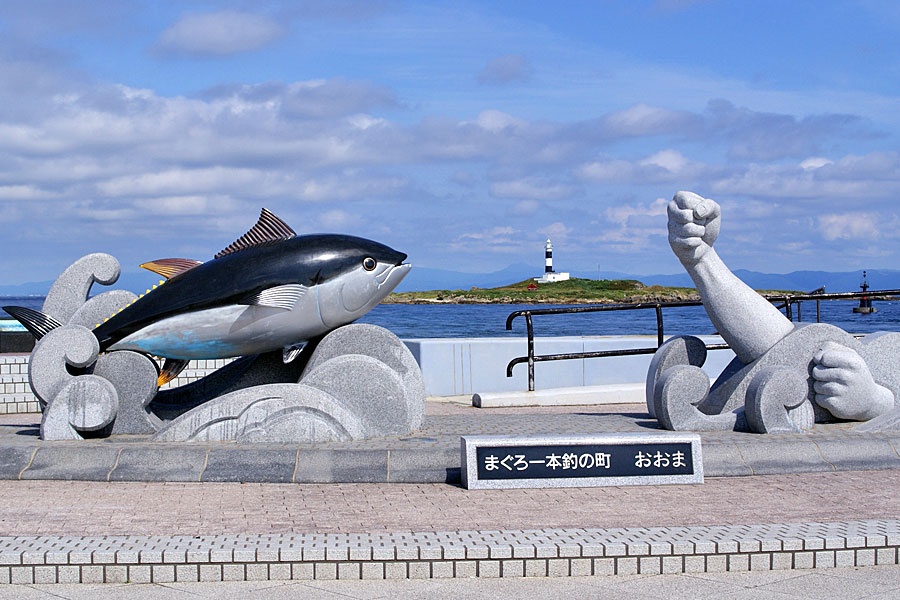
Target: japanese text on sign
{"x": 512, "y": 462}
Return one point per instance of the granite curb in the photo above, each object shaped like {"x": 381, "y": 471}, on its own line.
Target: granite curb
{"x": 175, "y": 462}
{"x": 429, "y": 455}
{"x": 453, "y": 554}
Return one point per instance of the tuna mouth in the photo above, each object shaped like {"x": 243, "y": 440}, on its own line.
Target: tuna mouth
{"x": 392, "y": 275}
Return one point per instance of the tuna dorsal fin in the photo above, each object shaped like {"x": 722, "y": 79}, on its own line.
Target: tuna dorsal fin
{"x": 34, "y": 321}
{"x": 267, "y": 230}
{"x": 280, "y": 296}
{"x": 170, "y": 267}
{"x": 170, "y": 370}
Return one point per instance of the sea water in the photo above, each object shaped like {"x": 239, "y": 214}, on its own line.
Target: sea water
{"x": 489, "y": 320}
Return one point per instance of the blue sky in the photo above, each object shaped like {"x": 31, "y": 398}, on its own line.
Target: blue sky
{"x": 462, "y": 133}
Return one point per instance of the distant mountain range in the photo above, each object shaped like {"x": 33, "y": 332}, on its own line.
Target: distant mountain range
{"x": 424, "y": 279}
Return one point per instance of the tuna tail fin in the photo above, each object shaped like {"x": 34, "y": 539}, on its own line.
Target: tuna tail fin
{"x": 34, "y": 321}
{"x": 171, "y": 368}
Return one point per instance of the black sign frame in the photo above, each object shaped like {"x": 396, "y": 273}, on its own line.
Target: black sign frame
{"x": 580, "y": 461}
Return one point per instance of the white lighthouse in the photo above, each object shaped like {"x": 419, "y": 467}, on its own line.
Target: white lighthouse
{"x": 550, "y": 275}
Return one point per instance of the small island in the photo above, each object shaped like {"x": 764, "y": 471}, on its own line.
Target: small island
{"x": 571, "y": 291}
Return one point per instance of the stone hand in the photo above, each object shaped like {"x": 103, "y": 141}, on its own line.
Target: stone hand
{"x": 844, "y": 385}
{"x": 693, "y": 226}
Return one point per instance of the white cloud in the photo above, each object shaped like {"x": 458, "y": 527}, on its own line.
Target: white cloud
{"x": 506, "y": 69}
{"x": 354, "y": 187}
{"x": 525, "y": 207}
{"x": 814, "y": 162}
{"x": 556, "y": 230}
{"x": 664, "y": 166}
{"x": 176, "y": 181}
{"x": 338, "y": 219}
{"x": 362, "y": 121}
{"x": 23, "y": 192}
{"x": 495, "y": 234}
{"x": 621, "y": 213}
{"x": 176, "y": 206}
{"x": 607, "y": 169}
{"x": 850, "y": 226}
{"x": 628, "y": 227}
{"x": 760, "y": 136}
{"x": 531, "y": 188}
{"x": 777, "y": 181}
{"x": 218, "y": 34}
{"x": 642, "y": 119}
{"x": 670, "y": 160}
{"x": 496, "y": 121}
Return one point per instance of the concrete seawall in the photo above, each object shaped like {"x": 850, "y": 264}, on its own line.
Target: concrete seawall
{"x": 454, "y": 367}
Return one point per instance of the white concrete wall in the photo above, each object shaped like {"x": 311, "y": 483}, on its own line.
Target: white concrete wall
{"x": 457, "y": 366}
{"x": 450, "y": 366}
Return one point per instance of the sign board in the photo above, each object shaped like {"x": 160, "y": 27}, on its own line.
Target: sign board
{"x": 502, "y": 461}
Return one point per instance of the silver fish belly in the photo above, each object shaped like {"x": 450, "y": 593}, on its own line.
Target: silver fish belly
{"x": 232, "y": 330}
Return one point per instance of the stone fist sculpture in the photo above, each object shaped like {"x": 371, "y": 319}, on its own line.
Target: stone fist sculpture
{"x": 824, "y": 370}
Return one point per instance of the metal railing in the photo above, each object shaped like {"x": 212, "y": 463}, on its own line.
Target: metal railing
{"x": 787, "y": 302}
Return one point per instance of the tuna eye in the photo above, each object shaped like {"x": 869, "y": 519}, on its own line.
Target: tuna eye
{"x": 369, "y": 263}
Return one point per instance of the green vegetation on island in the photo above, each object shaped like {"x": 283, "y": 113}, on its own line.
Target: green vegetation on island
{"x": 572, "y": 291}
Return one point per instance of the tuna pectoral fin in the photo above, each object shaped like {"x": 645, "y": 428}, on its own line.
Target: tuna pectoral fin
{"x": 289, "y": 353}
{"x": 34, "y": 321}
{"x": 170, "y": 267}
{"x": 171, "y": 368}
{"x": 280, "y": 296}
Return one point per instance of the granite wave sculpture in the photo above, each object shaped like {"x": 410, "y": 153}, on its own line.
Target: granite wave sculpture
{"x": 785, "y": 376}
{"x": 271, "y": 298}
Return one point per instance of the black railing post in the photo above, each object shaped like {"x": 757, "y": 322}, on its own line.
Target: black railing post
{"x": 530, "y": 328}
{"x": 799, "y": 315}
{"x": 787, "y": 308}
{"x": 659, "y": 326}
{"x": 818, "y": 313}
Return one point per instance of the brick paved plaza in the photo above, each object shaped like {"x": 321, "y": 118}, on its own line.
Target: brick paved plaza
{"x": 89, "y": 532}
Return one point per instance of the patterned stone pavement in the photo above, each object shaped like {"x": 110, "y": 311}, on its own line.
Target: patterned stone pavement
{"x": 100, "y": 508}
{"x": 153, "y": 532}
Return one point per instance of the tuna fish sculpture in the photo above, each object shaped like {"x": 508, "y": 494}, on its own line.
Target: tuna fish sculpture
{"x": 271, "y": 289}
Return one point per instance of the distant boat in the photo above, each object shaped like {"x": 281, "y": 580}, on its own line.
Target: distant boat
{"x": 865, "y": 303}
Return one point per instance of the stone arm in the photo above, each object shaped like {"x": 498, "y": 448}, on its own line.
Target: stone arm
{"x": 746, "y": 320}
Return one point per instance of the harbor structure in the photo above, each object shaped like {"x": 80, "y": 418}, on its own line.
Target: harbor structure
{"x": 550, "y": 276}
{"x": 865, "y": 303}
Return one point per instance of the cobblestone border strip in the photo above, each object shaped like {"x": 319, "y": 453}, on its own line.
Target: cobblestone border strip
{"x": 514, "y": 553}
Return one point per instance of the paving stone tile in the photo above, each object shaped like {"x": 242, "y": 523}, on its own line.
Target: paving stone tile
{"x": 490, "y": 568}
{"x": 419, "y": 570}
{"x": 72, "y": 574}
{"x": 396, "y": 570}
{"x": 136, "y": 573}
{"x": 115, "y": 574}
{"x": 626, "y": 566}
{"x": 865, "y": 557}
{"x": 303, "y": 571}
{"x": 650, "y": 565}
{"x": 465, "y": 569}
{"x": 210, "y": 572}
{"x": 44, "y": 574}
